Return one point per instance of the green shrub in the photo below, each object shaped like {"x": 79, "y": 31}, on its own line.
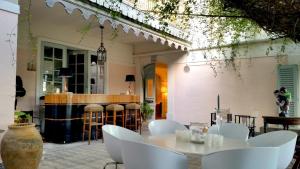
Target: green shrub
{"x": 147, "y": 111}
{"x": 21, "y": 117}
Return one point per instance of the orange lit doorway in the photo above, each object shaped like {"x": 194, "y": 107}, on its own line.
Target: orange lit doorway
{"x": 156, "y": 88}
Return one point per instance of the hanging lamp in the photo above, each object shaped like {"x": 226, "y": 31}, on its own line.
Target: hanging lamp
{"x": 101, "y": 52}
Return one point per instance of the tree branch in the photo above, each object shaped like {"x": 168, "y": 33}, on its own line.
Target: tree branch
{"x": 201, "y": 15}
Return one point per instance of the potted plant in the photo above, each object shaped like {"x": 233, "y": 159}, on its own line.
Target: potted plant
{"x": 21, "y": 117}
{"x": 147, "y": 111}
{"x": 22, "y": 144}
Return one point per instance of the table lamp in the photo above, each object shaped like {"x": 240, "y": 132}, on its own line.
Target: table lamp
{"x": 65, "y": 72}
{"x": 130, "y": 79}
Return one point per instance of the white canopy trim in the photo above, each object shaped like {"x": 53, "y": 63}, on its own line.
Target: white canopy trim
{"x": 87, "y": 11}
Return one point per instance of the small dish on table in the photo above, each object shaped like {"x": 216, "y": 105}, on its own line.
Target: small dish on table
{"x": 198, "y": 132}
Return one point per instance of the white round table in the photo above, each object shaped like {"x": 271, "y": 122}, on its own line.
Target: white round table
{"x": 213, "y": 144}
{"x": 194, "y": 151}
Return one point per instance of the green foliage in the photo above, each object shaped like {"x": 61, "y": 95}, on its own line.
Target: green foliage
{"x": 225, "y": 28}
{"x": 25, "y": 33}
{"x": 240, "y": 28}
{"x": 85, "y": 29}
{"x": 228, "y": 30}
{"x": 21, "y": 117}
{"x": 147, "y": 111}
{"x": 168, "y": 11}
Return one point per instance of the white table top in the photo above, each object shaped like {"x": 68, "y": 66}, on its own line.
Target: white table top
{"x": 214, "y": 143}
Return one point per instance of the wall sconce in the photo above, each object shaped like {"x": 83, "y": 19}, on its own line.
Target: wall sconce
{"x": 31, "y": 66}
{"x": 186, "y": 68}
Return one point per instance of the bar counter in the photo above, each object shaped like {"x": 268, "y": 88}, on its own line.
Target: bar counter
{"x": 63, "y": 113}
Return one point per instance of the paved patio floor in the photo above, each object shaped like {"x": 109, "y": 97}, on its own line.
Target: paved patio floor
{"x": 75, "y": 156}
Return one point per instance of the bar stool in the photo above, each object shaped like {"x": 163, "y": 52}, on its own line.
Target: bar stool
{"x": 115, "y": 108}
{"x": 91, "y": 118}
{"x": 133, "y": 111}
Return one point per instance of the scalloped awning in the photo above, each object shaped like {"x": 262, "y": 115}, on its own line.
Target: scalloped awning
{"x": 87, "y": 11}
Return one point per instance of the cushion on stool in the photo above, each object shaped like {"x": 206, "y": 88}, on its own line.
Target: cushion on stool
{"x": 93, "y": 107}
{"x": 133, "y": 106}
{"x": 114, "y": 107}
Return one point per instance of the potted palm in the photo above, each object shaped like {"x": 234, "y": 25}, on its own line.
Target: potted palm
{"x": 147, "y": 111}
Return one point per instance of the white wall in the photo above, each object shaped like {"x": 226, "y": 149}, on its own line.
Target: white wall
{"x": 195, "y": 92}
{"x": 193, "y": 95}
{"x": 8, "y": 46}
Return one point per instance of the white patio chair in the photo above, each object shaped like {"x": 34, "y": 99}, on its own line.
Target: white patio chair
{"x": 285, "y": 140}
{"x": 231, "y": 130}
{"x": 144, "y": 156}
{"x": 163, "y": 127}
{"x": 249, "y": 158}
{"x": 112, "y": 136}
{"x": 213, "y": 129}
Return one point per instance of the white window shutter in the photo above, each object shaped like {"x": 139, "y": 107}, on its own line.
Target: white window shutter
{"x": 288, "y": 78}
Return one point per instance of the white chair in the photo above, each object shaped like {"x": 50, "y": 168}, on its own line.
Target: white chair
{"x": 249, "y": 158}
{"x": 144, "y": 156}
{"x": 163, "y": 127}
{"x": 213, "y": 129}
{"x": 231, "y": 130}
{"x": 285, "y": 140}
{"x": 112, "y": 136}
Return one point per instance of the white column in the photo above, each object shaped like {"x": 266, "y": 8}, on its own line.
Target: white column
{"x": 9, "y": 11}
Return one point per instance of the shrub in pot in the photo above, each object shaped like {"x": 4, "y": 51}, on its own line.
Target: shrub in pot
{"x": 22, "y": 117}
{"x": 147, "y": 111}
{"x": 21, "y": 147}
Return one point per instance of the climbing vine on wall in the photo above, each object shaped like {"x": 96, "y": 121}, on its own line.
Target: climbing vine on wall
{"x": 25, "y": 35}
{"x": 226, "y": 25}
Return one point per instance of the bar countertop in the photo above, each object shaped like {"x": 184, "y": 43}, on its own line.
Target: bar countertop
{"x": 70, "y": 98}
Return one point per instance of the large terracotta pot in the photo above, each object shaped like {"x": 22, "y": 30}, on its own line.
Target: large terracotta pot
{"x": 21, "y": 147}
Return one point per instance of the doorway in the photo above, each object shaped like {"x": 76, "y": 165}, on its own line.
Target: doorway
{"x": 156, "y": 88}
{"x": 161, "y": 97}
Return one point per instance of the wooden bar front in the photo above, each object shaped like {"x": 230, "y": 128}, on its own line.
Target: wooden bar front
{"x": 63, "y": 113}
